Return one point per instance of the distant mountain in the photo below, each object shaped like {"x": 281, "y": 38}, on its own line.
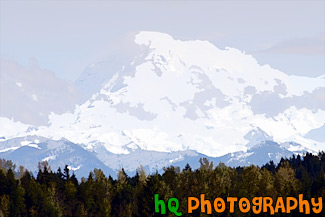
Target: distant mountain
{"x": 180, "y": 95}
{"x": 28, "y": 151}
{"x": 258, "y": 155}
{"x": 256, "y": 136}
{"x": 181, "y": 100}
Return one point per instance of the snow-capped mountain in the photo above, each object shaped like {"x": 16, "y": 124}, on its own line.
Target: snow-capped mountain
{"x": 189, "y": 95}
{"x": 30, "y": 150}
{"x": 183, "y": 95}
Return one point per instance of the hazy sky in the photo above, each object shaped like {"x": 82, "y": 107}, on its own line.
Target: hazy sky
{"x": 66, "y": 36}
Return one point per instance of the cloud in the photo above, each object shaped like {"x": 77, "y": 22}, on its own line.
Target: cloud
{"x": 29, "y": 94}
{"x": 302, "y": 46}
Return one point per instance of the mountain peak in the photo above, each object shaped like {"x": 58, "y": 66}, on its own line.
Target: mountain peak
{"x": 148, "y": 37}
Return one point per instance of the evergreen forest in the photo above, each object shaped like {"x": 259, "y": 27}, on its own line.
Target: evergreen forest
{"x": 61, "y": 193}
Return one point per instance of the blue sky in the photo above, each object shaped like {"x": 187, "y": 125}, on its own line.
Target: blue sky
{"x": 67, "y": 36}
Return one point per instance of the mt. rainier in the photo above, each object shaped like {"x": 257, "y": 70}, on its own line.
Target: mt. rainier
{"x": 190, "y": 95}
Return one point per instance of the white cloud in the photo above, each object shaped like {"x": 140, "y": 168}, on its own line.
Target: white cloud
{"x": 305, "y": 46}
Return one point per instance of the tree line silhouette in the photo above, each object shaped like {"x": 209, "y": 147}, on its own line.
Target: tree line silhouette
{"x": 60, "y": 193}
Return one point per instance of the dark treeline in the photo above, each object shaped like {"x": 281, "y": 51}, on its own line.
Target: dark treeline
{"x": 61, "y": 194}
